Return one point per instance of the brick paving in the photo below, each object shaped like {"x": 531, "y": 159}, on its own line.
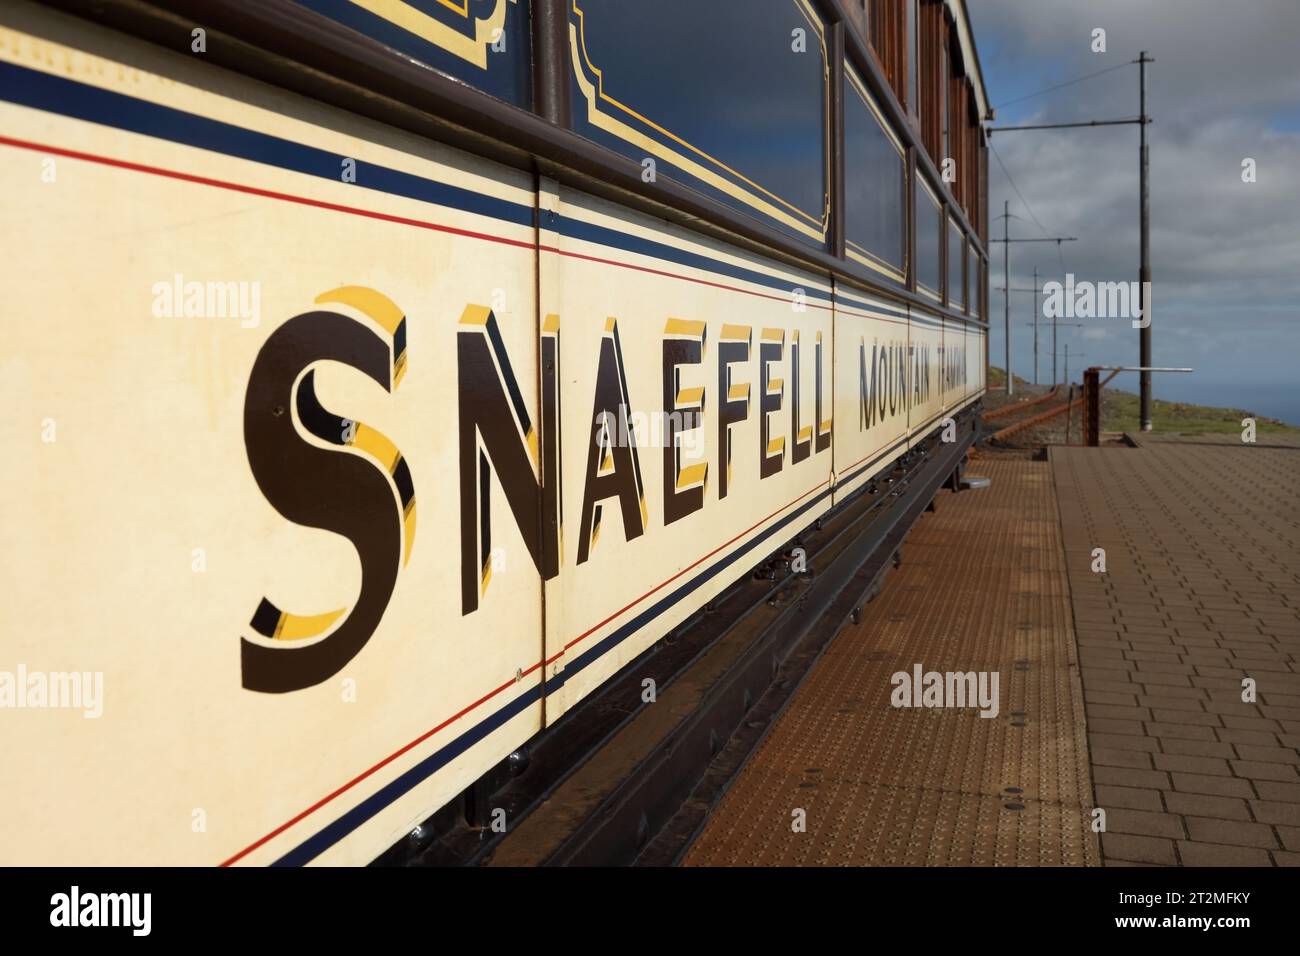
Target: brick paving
{"x": 1288, "y": 439}
{"x": 982, "y": 588}
{"x": 1201, "y": 591}
{"x": 1125, "y": 687}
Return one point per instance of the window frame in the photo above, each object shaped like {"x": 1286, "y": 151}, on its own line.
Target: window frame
{"x": 305, "y": 53}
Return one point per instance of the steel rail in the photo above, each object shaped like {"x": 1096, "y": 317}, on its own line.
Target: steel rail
{"x": 656, "y": 812}
{"x": 1032, "y": 420}
{"x": 1010, "y": 409}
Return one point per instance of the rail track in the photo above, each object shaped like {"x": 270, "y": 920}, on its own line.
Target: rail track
{"x": 1029, "y": 414}
{"x": 1014, "y": 408}
{"x": 626, "y": 780}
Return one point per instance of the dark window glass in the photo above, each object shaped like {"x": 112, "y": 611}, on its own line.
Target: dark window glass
{"x": 875, "y": 185}
{"x": 956, "y": 269}
{"x": 984, "y": 285}
{"x": 728, "y": 97}
{"x": 972, "y": 278}
{"x": 929, "y": 239}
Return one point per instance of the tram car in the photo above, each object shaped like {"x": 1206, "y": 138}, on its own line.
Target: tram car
{"x": 381, "y": 377}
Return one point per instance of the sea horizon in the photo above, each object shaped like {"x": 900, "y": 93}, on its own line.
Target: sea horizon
{"x": 1280, "y": 400}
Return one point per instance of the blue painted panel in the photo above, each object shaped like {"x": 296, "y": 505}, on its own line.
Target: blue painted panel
{"x": 452, "y": 36}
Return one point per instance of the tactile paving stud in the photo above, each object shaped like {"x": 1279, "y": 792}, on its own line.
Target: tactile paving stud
{"x": 984, "y": 589}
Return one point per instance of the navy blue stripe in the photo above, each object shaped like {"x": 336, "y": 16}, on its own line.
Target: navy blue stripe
{"x": 315, "y": 845}
{"x": 858, "y": 471}
{"x": 597, "y": 650}
{"x": 913, "y": 429}
{"x": 332, "y": 833}
{"x": 57, "y": 94}
{"x": 43, "y": 91}
{"x": 602, "y": 235}
{"x": 867, "y": 304}
{"x": 345, "y": 824}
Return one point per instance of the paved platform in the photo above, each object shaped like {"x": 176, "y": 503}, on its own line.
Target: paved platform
{"x": 1120, "y": 690}
{"x": 982, "y": 588}
{"x": 1287, "y": 439}
{"x": 1201, "y": 591}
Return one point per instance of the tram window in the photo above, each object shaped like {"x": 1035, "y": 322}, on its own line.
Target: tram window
{"x": 875, "y": 185}
{"x": 972, "y": 277}
{"x": 652, "y": 81}
{"x": 929, "y": 238}
{"x": 956, "y": 266}
{"x": 984, "y": 284}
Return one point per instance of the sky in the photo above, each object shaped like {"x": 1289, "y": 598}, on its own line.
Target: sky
{"x": 1225, "y": 254}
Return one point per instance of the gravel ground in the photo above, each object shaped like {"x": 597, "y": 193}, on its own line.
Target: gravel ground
{"x": 1032, "y": 442}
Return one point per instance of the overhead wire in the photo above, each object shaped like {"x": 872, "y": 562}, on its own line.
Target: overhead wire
{"x": 1061, "y": 86}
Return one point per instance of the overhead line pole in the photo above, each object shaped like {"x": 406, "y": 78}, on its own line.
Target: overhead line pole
{"x": 1035, "y": 325}
{"x": 1144, "y": 221}
{"x": 1078, "y": 325}
{"x": 1144, "y": 276}
{"x": 1054, "y": 323}
{"x": 1006, "y": 283}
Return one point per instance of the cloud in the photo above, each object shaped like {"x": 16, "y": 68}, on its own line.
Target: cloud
{"x": 1225, "y": 253}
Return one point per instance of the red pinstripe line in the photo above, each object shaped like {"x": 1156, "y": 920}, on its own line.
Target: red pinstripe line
{"x": 366, "y": 773}
{"x": 266, "y": 193}
{"x": 873, "y": 451}
{"x": 674, "y": 275}
{"x": 368, "y": 213}
{"x": 484, "y": 699}
{"x": 862, "y": 315}
{"x": 659, "y": 587}
{"x": 423, "y": 224}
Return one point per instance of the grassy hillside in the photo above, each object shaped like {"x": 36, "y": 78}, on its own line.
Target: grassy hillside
{"x": 1120, "y": 413}
{"x": 998, "y": 378}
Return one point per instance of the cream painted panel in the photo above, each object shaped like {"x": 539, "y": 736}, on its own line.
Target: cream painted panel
{"x": 872, "y": 369}
{"x": 623, "y": 285}
{"x": 135, "y": 541}
{"x": 931, "y": 400}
